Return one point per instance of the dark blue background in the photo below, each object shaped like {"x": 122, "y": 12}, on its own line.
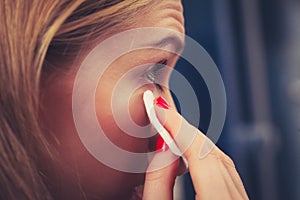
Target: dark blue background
{"x": 261, "y": 132}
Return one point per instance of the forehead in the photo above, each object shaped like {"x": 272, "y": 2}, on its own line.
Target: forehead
{"x": 167, "y": 17}
{"x": 163, "y": 13}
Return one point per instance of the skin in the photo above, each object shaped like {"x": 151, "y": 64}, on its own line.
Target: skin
{"x": 214, "y": 176}
{"x": 74, "y": 173}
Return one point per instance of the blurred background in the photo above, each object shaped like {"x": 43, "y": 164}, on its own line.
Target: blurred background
{"x": 256, "y": 46}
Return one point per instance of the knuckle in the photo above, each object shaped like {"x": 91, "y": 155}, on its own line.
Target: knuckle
{"x": 227, "y": 160}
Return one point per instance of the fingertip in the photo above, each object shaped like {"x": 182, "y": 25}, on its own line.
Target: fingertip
{"x": 182, "y": 132}
{"x": 169, "y": 118}
{"x": 161, "y": 114}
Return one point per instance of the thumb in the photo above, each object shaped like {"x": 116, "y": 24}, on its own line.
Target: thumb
{"x": 160, "y": 178}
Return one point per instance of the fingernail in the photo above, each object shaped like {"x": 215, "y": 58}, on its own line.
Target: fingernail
{"x": 161, "y": 145}
{"x": 161, "y": 102}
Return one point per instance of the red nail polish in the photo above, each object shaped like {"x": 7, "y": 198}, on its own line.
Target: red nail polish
{"x": 161, "y": 102}
{"x": 161, "y": 145}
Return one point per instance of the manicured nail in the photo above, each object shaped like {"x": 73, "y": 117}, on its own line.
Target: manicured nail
{"x": 161, "y": 102}
{"x": 161, "y": 145}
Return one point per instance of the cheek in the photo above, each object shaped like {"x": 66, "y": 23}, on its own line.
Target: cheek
{"x": 73, "y": 161}
{"x": 123, "y": 117}
{"x": 136, "y": 108}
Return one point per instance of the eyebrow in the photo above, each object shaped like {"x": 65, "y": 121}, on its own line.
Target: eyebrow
{"x": 170, "y": 39}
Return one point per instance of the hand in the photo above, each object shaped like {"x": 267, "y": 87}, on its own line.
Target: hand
{"x": 214, "y": 175}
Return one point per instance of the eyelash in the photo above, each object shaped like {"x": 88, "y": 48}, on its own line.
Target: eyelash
{"x": 152, "y": 73}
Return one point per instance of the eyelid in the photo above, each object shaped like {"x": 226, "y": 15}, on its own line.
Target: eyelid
{"x": 160, "y": 65}
{"x": 154, "y": 69}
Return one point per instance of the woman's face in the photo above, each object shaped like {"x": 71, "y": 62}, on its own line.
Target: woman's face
{"x": 75, "y": 172}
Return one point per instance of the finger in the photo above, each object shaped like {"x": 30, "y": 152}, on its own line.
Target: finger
{"x": 188, "y": 138}
{"x": 210, "y": 168}
{"x": 160, "y": 179}
{"x": 217, "y": 173}
{"x": 236, "y": 181}
{"x": 210, "y": 176}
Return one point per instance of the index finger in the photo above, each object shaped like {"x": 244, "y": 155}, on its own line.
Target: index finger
{"x": 191, "y": 141}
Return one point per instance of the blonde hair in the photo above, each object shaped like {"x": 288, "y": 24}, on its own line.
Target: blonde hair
{"x": 32, "y": 34}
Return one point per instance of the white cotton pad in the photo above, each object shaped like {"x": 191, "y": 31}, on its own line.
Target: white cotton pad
{"x": 149, "y": 105}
